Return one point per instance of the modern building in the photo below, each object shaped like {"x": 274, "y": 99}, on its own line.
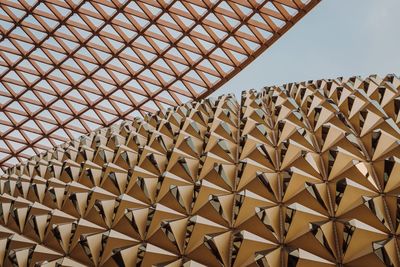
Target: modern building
{"x": 70, "y": 67}
{"x": 304, "y": 174}
{"x": 114, "y": 155}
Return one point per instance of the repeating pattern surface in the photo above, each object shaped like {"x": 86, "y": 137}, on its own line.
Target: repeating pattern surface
{"x": 70, "y": 67}
{"x": 305, "y": 174}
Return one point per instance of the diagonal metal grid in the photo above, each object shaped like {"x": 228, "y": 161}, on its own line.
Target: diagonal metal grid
{"x": 70, "y": 67}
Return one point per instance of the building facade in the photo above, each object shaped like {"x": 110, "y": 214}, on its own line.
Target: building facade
{"x": 305, "y": 174}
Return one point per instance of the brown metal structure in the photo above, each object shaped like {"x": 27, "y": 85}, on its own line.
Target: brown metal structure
{"x": 305, "y": 174}
{"x": 70, "y": 67}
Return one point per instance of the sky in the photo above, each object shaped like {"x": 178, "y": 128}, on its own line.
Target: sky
{"x": 338, "y": 38}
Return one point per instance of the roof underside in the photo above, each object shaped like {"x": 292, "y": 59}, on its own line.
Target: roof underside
{"x": 69, "y": 67}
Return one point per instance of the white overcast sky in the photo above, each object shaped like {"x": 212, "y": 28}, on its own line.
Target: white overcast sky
{"x": 337, "y": 38}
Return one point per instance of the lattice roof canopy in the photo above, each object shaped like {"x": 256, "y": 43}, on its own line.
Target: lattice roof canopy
{"x": 68, "y": 67}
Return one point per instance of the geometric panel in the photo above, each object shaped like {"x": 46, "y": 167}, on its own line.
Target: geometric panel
{"x": 305, "y": 174}
{"x": 70, "y": 67}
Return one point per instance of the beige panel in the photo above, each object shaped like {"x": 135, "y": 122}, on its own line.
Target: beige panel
{"x": 305, "y": 174}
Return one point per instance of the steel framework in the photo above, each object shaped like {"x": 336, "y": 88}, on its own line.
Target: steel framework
{"x": 69, "y": 67}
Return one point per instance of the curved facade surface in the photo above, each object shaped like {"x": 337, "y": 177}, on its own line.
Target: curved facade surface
{"x": 68, "y": 67}
{"x": 305, "y": 174}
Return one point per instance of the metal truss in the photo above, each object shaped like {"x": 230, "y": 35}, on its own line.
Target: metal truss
{"x": 70, "y": 67}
